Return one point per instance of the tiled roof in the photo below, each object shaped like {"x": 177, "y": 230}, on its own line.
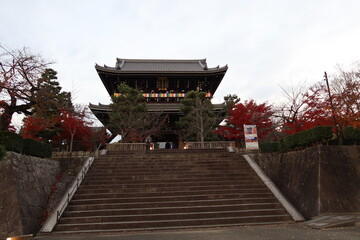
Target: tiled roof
{"x": 153, "y": 107}
{"x": 160, "y": 65}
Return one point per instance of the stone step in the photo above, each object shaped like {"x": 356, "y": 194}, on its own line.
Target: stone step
{"x": 175, "y": 174}
{"x": 174, "y": 158}
{"x": 199, "y": 157}
{"x": 170, "y": 216}
{"x": 107, "y": 166}
{"x": 69, "y": 233}
{"x": 168, "y": 203}
{"x": 173, "y": 154}
{"x": 166, "y": 163}
{"x": 185, "y": 165}
{"x": 238, "y": 187}
{"x": 166, "y": 170}
{"x": 170, "y": 190}
{"x": 172, "y": 223}
{"x": 144, "y": 181}
{"x": 173, "y": 194}
{"x": 165, "y": 178}
{"x": 172, "y": 210}
{"x": 170, "y": 184}
{"x": 155, "y": 159}
{"x": 99, "y": 177}
{"x": 105, "y": 199}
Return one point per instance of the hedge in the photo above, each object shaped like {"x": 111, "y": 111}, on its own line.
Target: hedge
{"x": 321, "y": 133}
{"x": 15, "y": 143}
{"x": 2, "y": 152}
{"x": 36, "y": 148}
{"x": 11, "y": 141}
{"x": 269, "y": 147}
{"x": 306, "y": 138}
{"x": 352, "y": 135}
{"x": 301, "y": 139}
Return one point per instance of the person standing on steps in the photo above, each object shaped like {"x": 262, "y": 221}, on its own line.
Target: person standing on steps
{"x": 148, "y": 141}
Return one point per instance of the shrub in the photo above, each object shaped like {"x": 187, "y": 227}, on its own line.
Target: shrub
{"x": 290, "y": 142}
{"x": 306, "y": 138}
{"x": 36, "y": 148}
{"x": 11, "y": 141}
{"x": 269, "y": 147}
{"x": 352, "y": 135}
{"x": 2, "y": 152}
{"x": 321, "y": 134}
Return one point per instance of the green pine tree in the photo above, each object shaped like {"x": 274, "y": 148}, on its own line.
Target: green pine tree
{"x": 198, "y": 120}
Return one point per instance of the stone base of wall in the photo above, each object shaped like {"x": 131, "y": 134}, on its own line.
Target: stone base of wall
{"x": 317, "y": 180}
{"x": 25, "y": 185}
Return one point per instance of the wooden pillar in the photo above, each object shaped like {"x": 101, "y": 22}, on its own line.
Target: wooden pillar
{"x": 180, "y": 142}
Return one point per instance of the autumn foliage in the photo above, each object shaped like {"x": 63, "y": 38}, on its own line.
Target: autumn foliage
{"x": 249, "y": 113}
{"x": 312, "y": 106}
{"x": 315, "y": 111}
{"x": 67, "y": 128}
{"x": 75, "y": 127}
{"x": 39, "y": 128}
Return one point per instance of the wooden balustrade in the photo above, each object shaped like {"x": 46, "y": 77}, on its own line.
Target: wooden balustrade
{"x": 74, "y": 154}
{"x": 128, "y": 146}
{"x": 210, "y": 145}
{"x": 142, "y": 147}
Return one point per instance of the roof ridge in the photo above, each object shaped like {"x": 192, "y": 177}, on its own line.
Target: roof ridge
{"x": 162, "y": 60}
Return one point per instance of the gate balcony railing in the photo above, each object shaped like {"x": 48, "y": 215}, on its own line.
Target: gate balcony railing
{"x": 128, "y": 147}
{"x": 188, "y": 145}
{"x": 210, "y": 145}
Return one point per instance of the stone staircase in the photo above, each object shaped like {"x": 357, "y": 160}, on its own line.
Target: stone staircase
{"x": 170, "y": 189}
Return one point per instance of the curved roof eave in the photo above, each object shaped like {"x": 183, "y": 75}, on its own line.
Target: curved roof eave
{"x": 114, "y": 70}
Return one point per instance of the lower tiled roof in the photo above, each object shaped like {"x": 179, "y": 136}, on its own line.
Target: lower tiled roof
{"x": 152, "y": 107}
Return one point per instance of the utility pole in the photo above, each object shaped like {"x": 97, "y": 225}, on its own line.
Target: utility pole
{"x": 332, "y": 109}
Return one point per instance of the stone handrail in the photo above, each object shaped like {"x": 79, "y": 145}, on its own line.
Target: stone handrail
{"x": 282, "y": 199}
{"x": 210, "y": 145}
{"x": 52, "y": 220}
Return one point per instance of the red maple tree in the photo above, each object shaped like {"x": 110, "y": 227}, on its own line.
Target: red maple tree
{"x": 69, "y": 127}
{"x": 75, "y": 127}
{"x": 249, "y": 113}
{"x": 40, "y": 128}
{"x": 315, "y": 111}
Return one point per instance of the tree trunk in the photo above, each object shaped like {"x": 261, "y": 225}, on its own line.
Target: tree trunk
{"x": 5, "y": 120}
{"x": 202, "y": 137}
{"x": 71, "y": 141}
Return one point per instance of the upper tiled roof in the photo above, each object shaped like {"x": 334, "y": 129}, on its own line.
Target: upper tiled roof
{"x": 160, "y": 65}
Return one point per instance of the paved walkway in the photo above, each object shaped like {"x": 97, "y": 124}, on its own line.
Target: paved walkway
{"x": 291, "y": 232}
{"x": 334, "y": 220}
{"x": 326, "y": 227}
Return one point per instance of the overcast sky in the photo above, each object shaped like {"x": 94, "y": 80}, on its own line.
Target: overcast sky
{"x": 265, "y": 43}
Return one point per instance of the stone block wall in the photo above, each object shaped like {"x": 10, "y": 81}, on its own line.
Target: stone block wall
{"x": 25, "y": 186}
{"x": 317, "y": 180}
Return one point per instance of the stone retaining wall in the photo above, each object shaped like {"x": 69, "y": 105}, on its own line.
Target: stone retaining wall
{"x": 25, "y": 185}
{"x": 317, "y": 180}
